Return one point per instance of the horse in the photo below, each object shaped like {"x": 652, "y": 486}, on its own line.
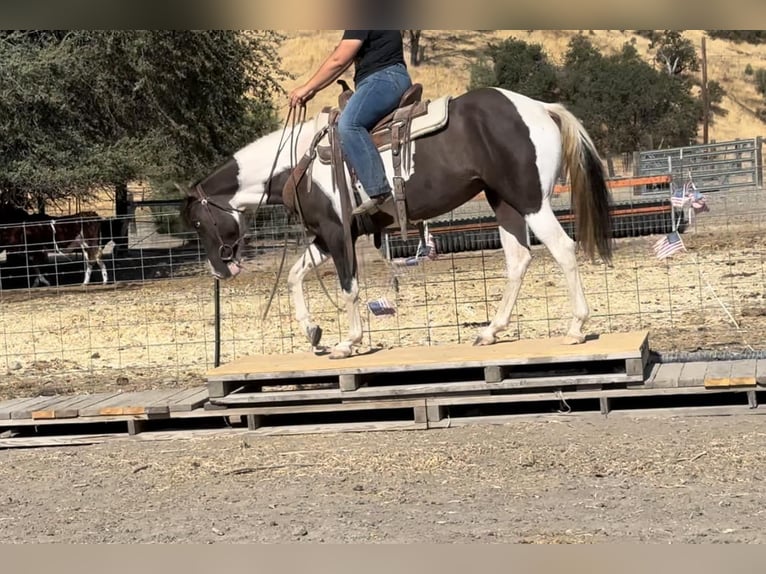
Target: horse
{"x": 35, "y": 235}
{"x": 505, "y": 144}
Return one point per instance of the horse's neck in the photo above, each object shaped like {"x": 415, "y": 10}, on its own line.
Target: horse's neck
{"x": 265, "y": 157}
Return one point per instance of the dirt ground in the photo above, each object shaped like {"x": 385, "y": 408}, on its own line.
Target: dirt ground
{"x": 578, "y": 480}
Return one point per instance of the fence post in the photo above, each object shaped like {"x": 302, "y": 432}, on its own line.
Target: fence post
{"x": 758, "y": 162}
{"x": 217, "y": 323}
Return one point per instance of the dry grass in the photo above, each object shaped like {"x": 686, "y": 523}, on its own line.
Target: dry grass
{"x": 450, "y": 52}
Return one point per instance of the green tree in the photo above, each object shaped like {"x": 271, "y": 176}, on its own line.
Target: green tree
{"x": 624, "y": 102}
{"x": 516, "y": 65}
{"x": 84, "y": 109}
{"x": 674, "y": 53}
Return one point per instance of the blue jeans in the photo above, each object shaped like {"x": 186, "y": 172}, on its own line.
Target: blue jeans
{"x": 376, "y": 96}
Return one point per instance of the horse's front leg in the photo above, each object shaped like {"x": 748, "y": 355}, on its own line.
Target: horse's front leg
{"x": 350, "y": 290}
{"x": 312, "y": 257}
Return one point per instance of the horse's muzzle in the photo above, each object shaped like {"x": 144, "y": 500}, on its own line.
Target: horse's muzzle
{"x": 234, "y": 268}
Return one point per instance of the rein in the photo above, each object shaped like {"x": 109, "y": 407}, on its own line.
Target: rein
{"x": 295, "y": 183}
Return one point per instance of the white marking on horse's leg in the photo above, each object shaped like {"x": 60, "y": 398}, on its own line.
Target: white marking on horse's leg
{"x": 41, "y": 279}
{"x": 346, "y": 348}
{"x": 102, "y": 266}
{"x": 311, "y": 257}
{"x": 88, "y": 269}
{"x": 517, "y": 259}
{"x": 548, "y": 230}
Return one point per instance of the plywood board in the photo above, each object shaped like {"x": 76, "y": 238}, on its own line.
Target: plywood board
{"x": 667, "y": 376}
{"x": 693, "y": 374}
{"x": 610, "y": 346}
{"x": 718, "y": 374}
{"x": 189, "y": 400}
{"x": 743, "y": 373}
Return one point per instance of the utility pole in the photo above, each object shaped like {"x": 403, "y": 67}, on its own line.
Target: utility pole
{"x": 705, "y": 99}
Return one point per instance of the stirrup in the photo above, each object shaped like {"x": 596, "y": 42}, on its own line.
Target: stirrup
{"x": 371, "y": 205}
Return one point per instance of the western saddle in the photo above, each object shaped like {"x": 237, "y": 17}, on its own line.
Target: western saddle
{"x": 391, "y": 132}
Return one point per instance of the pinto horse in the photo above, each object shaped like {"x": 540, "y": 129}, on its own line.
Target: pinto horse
{"x": 503, "y": 143}
{"x": 35, "y": 235}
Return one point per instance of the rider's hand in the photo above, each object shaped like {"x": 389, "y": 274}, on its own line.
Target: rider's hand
{"x": 301, "y": 95}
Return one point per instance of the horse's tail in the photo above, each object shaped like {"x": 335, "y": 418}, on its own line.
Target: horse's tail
{"x": 589, "y": 192}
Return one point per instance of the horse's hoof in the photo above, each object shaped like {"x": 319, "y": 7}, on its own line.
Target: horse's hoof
{"x": 574, "y": 340}
{"x": 315, "y": 335}
{"x": 483, "y": 341}
{"x": 340, "y": 353}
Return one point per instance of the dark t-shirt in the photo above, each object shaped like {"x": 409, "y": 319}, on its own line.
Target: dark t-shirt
{"x": 380, "y": 49}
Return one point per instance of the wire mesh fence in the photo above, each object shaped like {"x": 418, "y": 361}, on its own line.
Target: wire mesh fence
{"x": 154, "y": 323}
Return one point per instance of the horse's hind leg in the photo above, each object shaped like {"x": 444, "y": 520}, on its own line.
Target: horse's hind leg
{"x": 312, "y": 257}
{"x": 513, "y": 238}
{"x": 548, "y": 229}
{"x": 88, "y": 269}
{"x": 98, "y": 256}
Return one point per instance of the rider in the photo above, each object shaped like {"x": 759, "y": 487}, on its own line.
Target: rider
{"x": 380, "y": 78}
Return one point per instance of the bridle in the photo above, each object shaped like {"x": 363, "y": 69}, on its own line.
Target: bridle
{"x": 225, "y": 250}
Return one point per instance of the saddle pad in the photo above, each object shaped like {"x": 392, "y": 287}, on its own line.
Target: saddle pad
{"x": 434, "y": 119}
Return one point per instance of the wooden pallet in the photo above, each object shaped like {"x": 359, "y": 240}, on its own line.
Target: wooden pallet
{"x": 131, "y": 407}
{"x": 616, "y": 358}
{"x": 664, "y": 380}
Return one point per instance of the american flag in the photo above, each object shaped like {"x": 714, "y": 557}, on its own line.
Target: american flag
{"x": 679, "y": 197}
{"x": 668, "y": 245}
{"x": 381, "y": 306}
{"x": 429, "y": 250}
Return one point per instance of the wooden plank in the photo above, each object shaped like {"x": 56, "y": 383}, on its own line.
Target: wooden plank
{"x": 319, "y": 408}
{"x": 147, "y": 403}
{"x": 760, "y": 371}
{"x": 393, "y": 391}
{"x": 348, "y": 382}
{"x": 72, "y": 409}
{"x": 62, "y": 402}
{"x": 494, "y": 373}
{"x": 667, "y": 375}
{"x": 25, "y": 410}
{"x": 592, "y": 394}
{"x": 718, "y": 374}
{"x": 118, "y": 405}
{"x": 637, "y": 366}
{"x": 693, "y": 374}
{"x": 7, "y": 406}
{"x": 609, "y": 346}
{"x": 434, "y": 413}
{"x": 340, "y": 428}
{"x": 593, "y": 416}
{"x": 222, "y": 388}
{"x": 52, "y": 441}
{"x": 564, "y": 381}
{"x": 163, "y": 397}
{"x": 195, "y": 398}
{"x": 135, "y": 427}
{"x": 743, "y": 373}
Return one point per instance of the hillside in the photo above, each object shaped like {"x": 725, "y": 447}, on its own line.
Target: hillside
{"x": 448, "y": 54}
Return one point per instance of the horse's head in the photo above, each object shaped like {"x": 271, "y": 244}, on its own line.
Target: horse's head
{"x": 217, "y": 225}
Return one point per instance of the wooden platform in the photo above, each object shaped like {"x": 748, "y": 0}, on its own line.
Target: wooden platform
{"x": 615, "y": 357}
{"x": 438, "y": 400}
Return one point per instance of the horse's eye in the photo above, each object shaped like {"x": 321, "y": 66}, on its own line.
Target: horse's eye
{"x": 197, "y": 224}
